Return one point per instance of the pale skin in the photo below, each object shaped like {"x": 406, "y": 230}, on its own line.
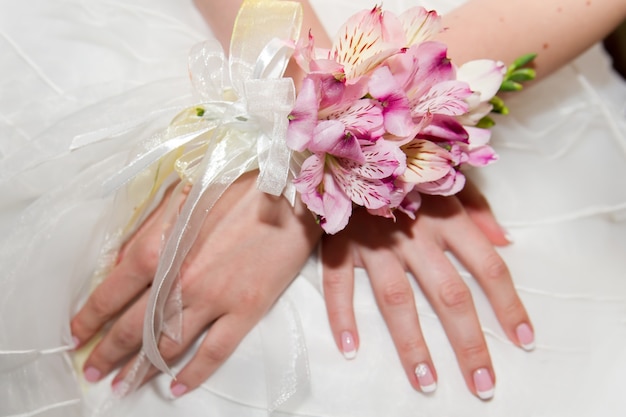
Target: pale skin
{"x": 241, "y": 295}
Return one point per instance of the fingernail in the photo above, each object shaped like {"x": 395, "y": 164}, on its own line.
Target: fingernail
{"x": 92, "y": 374}
{"x": 425, "y": 378}
{"x": 483, "y": 383}
{"x": 507, "y": 235}
{"x": 75, "y": 341}
{"x": 348, "y": 347}
{"x": 120, "y": 388}
{"x": 525, "y": 336}
{"x": 179, "y": 389}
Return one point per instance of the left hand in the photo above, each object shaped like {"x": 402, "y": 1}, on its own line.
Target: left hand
{"x": 387, "y": 249}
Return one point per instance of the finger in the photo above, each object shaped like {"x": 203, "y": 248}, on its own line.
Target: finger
{"x": 218, "y": 344}
{"x": 452, "y": 302}
{"x": 195, "y": 321}
{"x": 338, "y": 278}
{"x": 489, "y": 269}
{"x": 396, "y": 302}
{"x": 126, "y": 281}
{"x": 121, "y": 387}
{"x": 478, "y": 209}
{"x": 121, "y": 341}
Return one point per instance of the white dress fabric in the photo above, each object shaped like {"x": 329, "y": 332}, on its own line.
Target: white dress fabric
{"x": 74, "y": 66}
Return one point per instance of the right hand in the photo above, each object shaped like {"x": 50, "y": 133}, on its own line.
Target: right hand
{"x": 250, "y": 248}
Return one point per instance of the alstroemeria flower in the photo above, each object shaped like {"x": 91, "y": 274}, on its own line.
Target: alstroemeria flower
{"x": 329, "y": 185}
{"x": 484, "y": 78}
{"x": 427, "y": 162}
{"x": 385, "y": 116}
{"x": 395, "y": 104}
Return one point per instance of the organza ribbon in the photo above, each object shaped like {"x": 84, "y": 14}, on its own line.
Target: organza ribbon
{"x": 240, "y": 126}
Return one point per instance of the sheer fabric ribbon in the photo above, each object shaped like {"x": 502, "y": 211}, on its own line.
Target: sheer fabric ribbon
{"x": 239, "y": 126}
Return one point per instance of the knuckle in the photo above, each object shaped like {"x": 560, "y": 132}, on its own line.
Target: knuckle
{"x": 514, "y": 309}
{"x": 100, "y": 307}
{"x": 334, "y": 282}
{"x": 494, "y": 268}
{"x": 410, "y": 346}
{"x": 455, "y": 295}
{"x": 251, "y": 297}
{"x": 397, "y": 293}
{"x": 125, "y": 337}
{"x": 214, "y": 352}
{"x": 473, "y": 352}
{"x": 146, "y": 256}
{"x": 169, "y": 348}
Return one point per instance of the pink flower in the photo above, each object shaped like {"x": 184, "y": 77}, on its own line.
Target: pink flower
{"x": 395, "y": 104}
{"x": 329, "y": 185}
{"x": 385, "y": 116}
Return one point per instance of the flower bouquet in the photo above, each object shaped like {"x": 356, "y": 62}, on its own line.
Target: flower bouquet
{"x": 384, "y": 115}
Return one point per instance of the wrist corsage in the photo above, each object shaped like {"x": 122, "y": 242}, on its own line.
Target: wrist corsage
{"x": 384, "y": 115}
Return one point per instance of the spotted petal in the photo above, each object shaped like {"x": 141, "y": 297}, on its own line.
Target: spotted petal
{"x": 447, "y": 98}
{"x": 372, "y": 194}
{"x": 363, "y": 118}
{"x": 365, "y": 40}
{"x": 420, "y": 25}
{"x": 425, "y": 162}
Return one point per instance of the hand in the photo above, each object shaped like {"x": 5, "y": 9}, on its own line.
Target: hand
{"x": 249, "y": 249}
{"x": 387, "y": 249}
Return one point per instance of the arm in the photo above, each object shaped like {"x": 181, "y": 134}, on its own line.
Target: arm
{"x": 558, "y": 30}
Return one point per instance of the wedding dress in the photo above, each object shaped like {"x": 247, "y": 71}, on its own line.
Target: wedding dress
{"x": 73, "y": 66}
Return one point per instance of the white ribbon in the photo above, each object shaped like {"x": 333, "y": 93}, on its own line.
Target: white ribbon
{"x": 242, "y": 126}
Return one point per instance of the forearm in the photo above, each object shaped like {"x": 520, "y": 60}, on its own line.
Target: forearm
{"x": 221, "y": 14}
{"x": 558, "y": 30}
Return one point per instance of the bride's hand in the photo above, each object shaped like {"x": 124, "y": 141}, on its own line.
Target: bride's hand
{"x": 249, "y": 249}
{"x": 387, "y": 249}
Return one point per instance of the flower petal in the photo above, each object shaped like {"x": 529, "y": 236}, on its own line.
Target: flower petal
{"x": 383, "y": 159}
{"x": 420, "y": 25}
{"x": 331, "y": 137}
{"x": 363, "y": 118}
{"x": 446, "y": 98}
{"x": 303, "y": 117}
{"x": 337, "y": 207}
{"x": 425, "y": 162}
{"x": 483, "y": 76}
{"x": 448, "y": 185}
{"x": 444, "y": 128}
{"x": 369, "y": 193}
{"x": 395, "y": 104}
{"x": 365, "y": 40}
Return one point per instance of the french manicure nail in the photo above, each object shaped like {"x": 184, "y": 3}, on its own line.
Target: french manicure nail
{"x": 483, "y": 383}
{"x": 179, "y": 389}
{"x": 120, "y": 388}
{"x": 348, "y": 347}
{"x": 425, "y": 378}
{"x": 92, "y": 374}
{"x": 525, "y": 336}
{"x": 507, "y": 235}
